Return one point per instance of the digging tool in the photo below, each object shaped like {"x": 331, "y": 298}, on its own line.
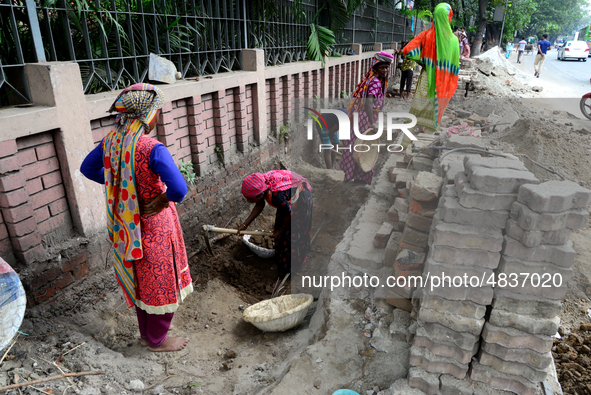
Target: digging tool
{"x": 320, "y": 227}
{"x": 211, "y": 228}
{"x": 280, "y": 286}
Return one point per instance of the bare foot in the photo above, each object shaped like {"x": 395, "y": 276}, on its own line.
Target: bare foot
{"x": 143, "y": 342}
{"x": 171, "y": 344}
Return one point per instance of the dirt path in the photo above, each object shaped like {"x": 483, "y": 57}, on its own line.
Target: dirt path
{"x": 93, "y": 314}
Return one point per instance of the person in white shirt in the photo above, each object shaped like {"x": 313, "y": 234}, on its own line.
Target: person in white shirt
{"x": 521, "y": 49}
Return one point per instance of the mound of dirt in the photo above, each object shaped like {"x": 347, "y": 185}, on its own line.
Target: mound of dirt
{"x": 554, "y": 146}
{"x": 573, "y": 361}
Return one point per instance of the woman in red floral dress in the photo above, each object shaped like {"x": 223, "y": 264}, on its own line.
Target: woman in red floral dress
{"x": 150, "y": 259}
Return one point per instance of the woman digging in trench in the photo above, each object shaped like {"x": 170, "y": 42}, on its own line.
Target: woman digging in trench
{"x": 290, "y": 194}
{"x": 150, "y": 263}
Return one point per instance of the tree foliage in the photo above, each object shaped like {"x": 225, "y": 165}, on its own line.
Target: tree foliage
{"x": 555, "y": 17}
{"x": 524, "y": 17}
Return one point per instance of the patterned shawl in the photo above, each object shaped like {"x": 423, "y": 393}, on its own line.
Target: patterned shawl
{"x": 363, "y": 86}
{"x": 275, "y": 180}
{"x": 137, "y": 105}
{"x": 439, "y": 51}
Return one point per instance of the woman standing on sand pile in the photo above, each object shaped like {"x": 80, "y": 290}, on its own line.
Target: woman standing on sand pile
{"x": 150, "y": 259}
{"x": 438, "y": 50}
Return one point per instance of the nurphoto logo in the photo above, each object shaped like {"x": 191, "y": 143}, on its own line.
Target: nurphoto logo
{"x": 345, "y": 127}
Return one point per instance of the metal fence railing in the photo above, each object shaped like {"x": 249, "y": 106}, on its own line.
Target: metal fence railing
{"x": 112, "y": 40}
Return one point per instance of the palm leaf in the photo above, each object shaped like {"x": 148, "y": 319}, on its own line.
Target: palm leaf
{"x": 353, "y": 5}
{"x": 320, "y": 42}
{"x": 426, "y": 16}
{"x": 339, "y": 17}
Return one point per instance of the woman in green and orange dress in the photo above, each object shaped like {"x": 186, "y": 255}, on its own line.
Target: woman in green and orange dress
{"x": 437, "y": 49}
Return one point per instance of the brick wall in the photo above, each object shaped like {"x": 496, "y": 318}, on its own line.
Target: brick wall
{"x": 211, "y": 123}
{"x": 35, "y": 211}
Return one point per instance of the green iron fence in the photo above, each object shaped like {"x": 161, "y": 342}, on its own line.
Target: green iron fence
{"x": 111, "y": 40}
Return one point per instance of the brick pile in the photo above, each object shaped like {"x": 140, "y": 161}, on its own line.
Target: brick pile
{"x": 465, "y": 242}
{"x": 408, "y": 250}
{"x": 531, "y": 281}
{"x": 467, "y": 79}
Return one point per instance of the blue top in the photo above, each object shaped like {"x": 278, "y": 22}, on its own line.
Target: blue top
{"x": 330, "y": 119}
{"x": 544, "y": 44}
{"x": 161, "y": 163}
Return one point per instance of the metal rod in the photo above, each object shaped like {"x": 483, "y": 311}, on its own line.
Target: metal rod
{"x": 35, "y": 30}
{"x": 245, "y": 24}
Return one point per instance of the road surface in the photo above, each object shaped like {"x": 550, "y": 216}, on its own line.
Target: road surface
{"x": 564, "y": 82}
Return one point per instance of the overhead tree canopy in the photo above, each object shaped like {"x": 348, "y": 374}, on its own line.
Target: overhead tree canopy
{"x": 526, "y": 17}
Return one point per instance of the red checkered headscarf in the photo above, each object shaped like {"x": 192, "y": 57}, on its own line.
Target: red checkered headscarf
{"x": 275, "y": 180}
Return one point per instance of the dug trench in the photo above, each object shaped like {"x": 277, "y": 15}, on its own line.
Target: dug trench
{"x": 89, "y": 328}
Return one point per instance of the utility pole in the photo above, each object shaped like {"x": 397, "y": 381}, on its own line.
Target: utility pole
{"x": 503, "y": 24}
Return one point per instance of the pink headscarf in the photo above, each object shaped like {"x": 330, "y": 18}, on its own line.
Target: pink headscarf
{"x": 275, "y": 180}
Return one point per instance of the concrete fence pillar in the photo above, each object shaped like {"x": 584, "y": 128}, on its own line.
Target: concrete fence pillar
{"x": 254, "y": 60}
{"x": 59, "y": 85}
{"x": 358, "y": 49}
{"x": 377, "y": 47}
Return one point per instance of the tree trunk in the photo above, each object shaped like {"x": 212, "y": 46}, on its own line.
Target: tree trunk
{"x": 493, "y": 34}
{"x": 464, "y": 14}
{"x": 482, "y": 21}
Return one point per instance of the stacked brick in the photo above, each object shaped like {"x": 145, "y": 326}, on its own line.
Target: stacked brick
{"x": 468, "y": 78}
{"x": 411, "y": 245}
{"x": 465, "y": 244}
{"x": 418, "y": 155}
{"x": 536, "y": 263}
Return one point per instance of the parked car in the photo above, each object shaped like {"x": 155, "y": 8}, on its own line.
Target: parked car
{"x": 573, "y": 50}
{"x": 558, "y": 44}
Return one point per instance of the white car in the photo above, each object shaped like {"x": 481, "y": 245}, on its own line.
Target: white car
{"x": 573, "y": 50}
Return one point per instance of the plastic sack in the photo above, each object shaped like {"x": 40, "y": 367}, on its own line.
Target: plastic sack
{"x": 461, "y": 130}
{"x": 12, "y": 304}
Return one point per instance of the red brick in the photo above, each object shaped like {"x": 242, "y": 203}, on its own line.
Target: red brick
{"x": 59, "y": 206}
{"x": 406, "y": 246}
{"x": 70, "y": 265}
{"x": 53, "y": 223}
{"x": 8, "y": 148}
{"x": 47, "y": 196}
{"x": 33, "y": 186}
{"x": 22, "y": 228}
{"x": 425, "y": 209}
{"x": 80, "y": 271}
{"x": 13, "y": 198}
{"x": 32, "y": 255}
{"x": 41, "y": 167}
{"x": 18, "y": 213}
{"x": 44, "y": 294}
{"x": 108, "y": 121}
{"x": 51, "y": 179}
{"x": 65, "y": 280}
{"x": 5, "y": 246}
{"x": 41, "y": 214}
{"x": 27, "y": 157}
{"x": 8, "y": 164}
{"x": 166, "y": 118}
{"x": 11, "y": 181}
{"x": 45, "y": 277}
{"x": 45, "y": 151}
{"x": 27, "y": 242}
{"x": 36, "y": 139}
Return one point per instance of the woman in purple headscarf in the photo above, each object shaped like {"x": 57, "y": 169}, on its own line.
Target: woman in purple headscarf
{"x": 368, "y": 100}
